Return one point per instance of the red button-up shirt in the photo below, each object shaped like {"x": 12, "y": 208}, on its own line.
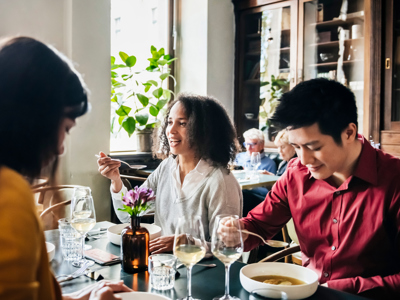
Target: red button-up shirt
{"x": 348, "y": 235}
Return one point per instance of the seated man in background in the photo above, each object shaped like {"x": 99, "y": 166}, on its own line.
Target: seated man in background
{"x": 254, "y": 142}
{"x": 342, "y": 193}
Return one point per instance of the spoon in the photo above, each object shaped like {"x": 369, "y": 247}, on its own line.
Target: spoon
{"x": 272, "y": 243}
{"x": 201, "y": 265}
{"x": 136, "y": 167}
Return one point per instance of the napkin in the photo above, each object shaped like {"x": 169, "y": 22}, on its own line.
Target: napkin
{"x": 102, "y": 257}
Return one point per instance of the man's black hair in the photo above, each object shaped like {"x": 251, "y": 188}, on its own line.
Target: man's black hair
{"x": 326, "y": 102}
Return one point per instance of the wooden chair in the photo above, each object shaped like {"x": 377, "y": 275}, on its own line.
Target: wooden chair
{"x": 40, "y": 182}
{"x": 292, "y": 253}
{"x": 55, "y": 201}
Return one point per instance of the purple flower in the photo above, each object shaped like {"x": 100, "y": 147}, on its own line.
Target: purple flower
{"x": 138, "y": 196}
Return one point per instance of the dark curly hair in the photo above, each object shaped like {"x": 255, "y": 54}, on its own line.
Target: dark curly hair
{"x": 326, "y": 102}
{"x": 210, "y": 130}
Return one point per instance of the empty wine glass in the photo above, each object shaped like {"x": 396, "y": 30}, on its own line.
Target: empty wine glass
{"x": 255, "y": 161}
{"x": 189, "y": 245}
{"x": 83, "y": 218}
{"x": 227, "y": 246}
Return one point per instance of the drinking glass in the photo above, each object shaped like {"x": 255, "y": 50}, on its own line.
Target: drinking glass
{"x": 227, "y": 246}
{"x": 255, "y": 161}
{"x": 189, "y": 245}
{"x": 83, "y": 218}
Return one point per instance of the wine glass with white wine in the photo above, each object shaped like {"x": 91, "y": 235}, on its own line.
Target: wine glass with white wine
{"x": 189, "y": 246}
{"x": 227, "y": 246}
{"x": 83, "y": 218}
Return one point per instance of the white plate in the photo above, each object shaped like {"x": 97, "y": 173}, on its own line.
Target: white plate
{"x": 141, "y": 296}
{"x": 114, "y": 232}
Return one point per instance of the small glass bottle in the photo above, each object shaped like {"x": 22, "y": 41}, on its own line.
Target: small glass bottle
{"x": 134, "y": 247}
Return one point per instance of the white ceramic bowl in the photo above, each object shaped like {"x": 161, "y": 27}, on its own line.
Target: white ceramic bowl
{"x": 51, "y": 250}
{"x": 282, "y": 269}
{"x": 114, "y": 232}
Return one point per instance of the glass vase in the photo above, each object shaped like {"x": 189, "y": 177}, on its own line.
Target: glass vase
{"x": 134, "y": 247}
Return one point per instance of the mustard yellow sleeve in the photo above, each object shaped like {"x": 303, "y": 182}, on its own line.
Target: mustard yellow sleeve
{"x": 24, "y": 268}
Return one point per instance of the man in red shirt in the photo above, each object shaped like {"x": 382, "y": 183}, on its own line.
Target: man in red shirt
{"x": 343, "y": 194}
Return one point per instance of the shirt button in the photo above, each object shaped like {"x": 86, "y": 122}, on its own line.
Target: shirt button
{"x": 326, "y": 274}
{"x": 334, "y": 221}
{"x": 337, "y": 192}
{"x": 333, "y": 248}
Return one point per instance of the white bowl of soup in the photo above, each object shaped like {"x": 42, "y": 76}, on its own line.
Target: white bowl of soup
{"x": 114, "y": 232}
{"x": 296, "y": 281}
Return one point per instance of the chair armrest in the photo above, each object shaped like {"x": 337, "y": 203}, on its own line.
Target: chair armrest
{"x": 280, "y": 254}
{"x": 49, "y": 209}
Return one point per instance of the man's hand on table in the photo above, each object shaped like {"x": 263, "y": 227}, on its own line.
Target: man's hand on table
{"x": 162, "y": 244}
{"x": 103, "y": 290}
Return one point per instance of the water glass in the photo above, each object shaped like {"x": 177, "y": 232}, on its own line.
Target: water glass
{"x": 69, "y": 240}
{"x": 162, "y": 269}
{"x": 266, "y": 294}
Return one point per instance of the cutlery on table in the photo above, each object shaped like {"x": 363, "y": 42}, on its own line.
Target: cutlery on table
{"x": 136, "y": 167}
{"x": 272, "y": 243}
{"x": 201, "y": 265}
{"x": 76, "y": 274}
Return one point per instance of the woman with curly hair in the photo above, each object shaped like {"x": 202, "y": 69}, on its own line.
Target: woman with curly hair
{"x": 197, "y": 140}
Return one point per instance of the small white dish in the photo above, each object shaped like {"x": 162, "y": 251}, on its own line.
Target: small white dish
{"x": 141, "y": 296}
{"x": 238, "y": 172}
{"x": 274, "y": 268}
{"x": 114, "y": 232}
{"x": 51, "y": 250}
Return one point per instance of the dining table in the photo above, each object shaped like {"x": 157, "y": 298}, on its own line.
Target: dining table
{"x": 259, "y": 180}
{"x": 206, "y": 282}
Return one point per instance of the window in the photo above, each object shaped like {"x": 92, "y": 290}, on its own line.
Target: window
{"x": 135, "y": 26}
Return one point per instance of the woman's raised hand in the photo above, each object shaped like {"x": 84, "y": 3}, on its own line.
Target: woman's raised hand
{"x": 109, "y": 168}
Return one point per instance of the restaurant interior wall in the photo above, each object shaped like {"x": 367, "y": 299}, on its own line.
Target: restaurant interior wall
{"x": 78, "y": 29}
{"x": 206, "y": 49}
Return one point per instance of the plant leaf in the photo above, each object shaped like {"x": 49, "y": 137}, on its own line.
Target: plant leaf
{"x": 161, "y": 51}
{"x": 167, "y": 94}
{"x": 114, "y": 74}
{"x": 129, "y": 124}
{"x": 143, "y": 99}
{"x": 126, "y": 77}
{"x": 112, "y": 60}
{"x": 130, "y": 61}
{"x": 153, "y": 82}
{"x": 123, "y": 110}
{"x": 171, "y": 60}
{"x": 114, "y": 99}
{"x": 162, "y": 62}
{"x": 121, "y": 119}
{"x": 142, "y": 118}
{"x": 153, "y": 110}
{"x": 163, "y": 76}
{"x": 161, "y": 104}
{"x": 158, "y": 92}
{"x": 123, "y": 56}
{"x": 147, "y": 87}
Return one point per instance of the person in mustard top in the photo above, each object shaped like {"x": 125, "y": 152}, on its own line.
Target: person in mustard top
{"x": 41, "y": 95}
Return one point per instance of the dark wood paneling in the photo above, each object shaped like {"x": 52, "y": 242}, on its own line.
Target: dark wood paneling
{"x": 392, "y": 149}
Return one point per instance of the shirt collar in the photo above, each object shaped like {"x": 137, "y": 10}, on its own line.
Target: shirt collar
{"x": 203, "y": 167}
{"x": 366, "y": 168}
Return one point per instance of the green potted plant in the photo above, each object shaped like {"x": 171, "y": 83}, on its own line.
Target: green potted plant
{"x": 138, "y": 97}
{"x": 270, "y": 101}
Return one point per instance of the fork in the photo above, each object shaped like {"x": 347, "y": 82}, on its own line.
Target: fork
{"x": 272, "y": 243}
{"x": 136, "y": 167}
{"x": 74, "y": 275}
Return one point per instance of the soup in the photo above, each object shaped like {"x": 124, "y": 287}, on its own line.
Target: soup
{"x": 278, "y": 280}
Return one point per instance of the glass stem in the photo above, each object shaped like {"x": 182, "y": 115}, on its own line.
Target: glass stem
{"x": 189, "y": 281}
{"x": 83, "y": 248}
{"x": 227, "y": 267}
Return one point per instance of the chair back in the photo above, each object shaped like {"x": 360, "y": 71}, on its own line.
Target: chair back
{"x": 56, "y": 202}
